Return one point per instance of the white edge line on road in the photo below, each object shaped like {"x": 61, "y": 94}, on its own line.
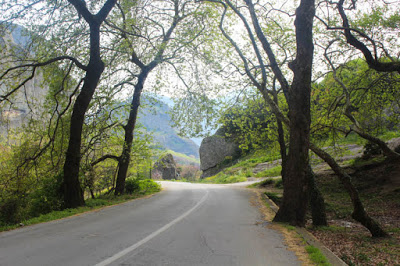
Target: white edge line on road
{"x": 151, "y": 236}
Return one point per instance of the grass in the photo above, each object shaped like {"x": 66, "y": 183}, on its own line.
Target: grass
{"x": 90, "y": 205}
{"x": 184, "y": 156}
{"x": 252, "y": 160}
{"x": 223, "y": 178}
{"x": 358, "y": 162}
{"x": 316, "y": 256}
{"x": 270, "y": 172}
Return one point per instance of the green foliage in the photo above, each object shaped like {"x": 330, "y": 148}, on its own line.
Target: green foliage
{"x": 47, "y": 198}
{"x": 316, "y": 256}
{"x": 250, "y": 123}
{"x": 138, "y": 186}
{"x": 131, "y": 185}
{"x": 373, "y": 103}
{"x": 371, "y": 149}
{"x": 146, "y": 187}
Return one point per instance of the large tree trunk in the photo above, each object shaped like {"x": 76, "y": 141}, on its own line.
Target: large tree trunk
{"x": 73, "y": 194}
{"x": 359, "y": 214}
{"x": 295, "y": 196}
{"x": 281, "y": 135}
{"x": 317, "y": 202}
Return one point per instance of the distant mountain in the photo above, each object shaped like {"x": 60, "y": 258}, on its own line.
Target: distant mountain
{"x": 157, "y": 120}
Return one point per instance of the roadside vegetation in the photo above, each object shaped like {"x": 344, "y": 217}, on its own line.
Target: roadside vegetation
{"x": 34, "y": 214}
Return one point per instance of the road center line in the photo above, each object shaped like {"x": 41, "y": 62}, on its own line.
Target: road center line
{"x": 151, "y": 236}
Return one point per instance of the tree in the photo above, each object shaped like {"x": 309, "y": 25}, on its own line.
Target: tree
{"x": 297, "y": 94}
{"x": 73, "y": 195}
{"x": 148, "y": 43}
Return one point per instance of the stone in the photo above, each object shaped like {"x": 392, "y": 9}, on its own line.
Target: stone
{"x": 394, "y": 144}
{"x": 165, "y": 168}
{"x": 216, "y": 152}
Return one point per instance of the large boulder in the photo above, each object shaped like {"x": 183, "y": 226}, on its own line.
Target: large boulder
{"x": 165, "y": 168}
{"x": 217, "y": 152}
{"x": 394, "y": 144}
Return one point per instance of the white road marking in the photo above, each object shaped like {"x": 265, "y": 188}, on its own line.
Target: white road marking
{"x": 151, "y": 236}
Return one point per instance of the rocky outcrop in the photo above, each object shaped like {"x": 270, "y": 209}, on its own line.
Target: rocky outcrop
{"x": 217, "y": 152}
{"x": 27, "y": 102}
{"x": 394, "y": 144}
{"x": 165, "y": 168}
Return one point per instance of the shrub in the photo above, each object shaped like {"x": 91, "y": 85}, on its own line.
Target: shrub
{"x": 9, "y": 211}
{"x": 132, "y": 185}
{"x": 47, "y": 198}
{"x": 371, "y": 149}
{"x": 142, "y": 186}
{"x": 148, "y": 185}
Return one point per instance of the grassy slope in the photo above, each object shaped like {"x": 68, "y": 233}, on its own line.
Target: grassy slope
{"x": 183, "y": 158}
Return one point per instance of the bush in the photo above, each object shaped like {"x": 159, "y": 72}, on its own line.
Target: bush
{"x": 47, "y": 198}
{"x": 131, "y": 185}
{"x": 148, "y": 186}
{"x": 370, "y": 150}
{"x": 136, "y": 185}
{"x": 10, "y": 209}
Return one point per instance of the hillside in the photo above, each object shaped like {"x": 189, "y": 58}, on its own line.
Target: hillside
{"x": 155, "y": 119}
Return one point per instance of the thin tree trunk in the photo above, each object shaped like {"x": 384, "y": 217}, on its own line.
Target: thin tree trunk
{"x": 295, "y": 196}
{"x": 389, "y": 153}
{"x": 129, "y": 128}
{"x": 317, "y": 202}
{"x": 359, "y": 214}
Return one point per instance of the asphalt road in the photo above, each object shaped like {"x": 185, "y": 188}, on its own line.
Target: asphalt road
{"x": 186, "y": 224}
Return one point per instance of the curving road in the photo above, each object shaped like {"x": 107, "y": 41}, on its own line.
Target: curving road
{"x": 186, "y": 224}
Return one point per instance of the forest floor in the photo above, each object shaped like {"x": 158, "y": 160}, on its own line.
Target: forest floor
{"x": 379, "y": 186}
{"x": 378, "y": 183}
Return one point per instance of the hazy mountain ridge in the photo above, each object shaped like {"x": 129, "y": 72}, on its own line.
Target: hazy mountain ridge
{"x": 156, "y": 119}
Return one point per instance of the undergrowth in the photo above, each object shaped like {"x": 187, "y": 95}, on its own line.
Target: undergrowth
{"x": 140, "y": 188}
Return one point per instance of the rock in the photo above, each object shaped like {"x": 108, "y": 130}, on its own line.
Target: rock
{"x": 165, "y": 168}
{"x": 216, "y": 152}
{"x": 394, "y": 144}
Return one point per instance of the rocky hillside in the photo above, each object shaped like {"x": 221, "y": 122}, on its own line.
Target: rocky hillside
{"x": 25, "y": 103}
